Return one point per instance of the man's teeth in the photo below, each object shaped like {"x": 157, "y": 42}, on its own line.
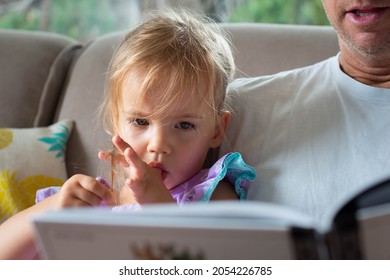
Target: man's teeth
{"x": 361, "y": 14}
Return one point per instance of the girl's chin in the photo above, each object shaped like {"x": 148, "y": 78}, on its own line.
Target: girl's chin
{"x": 170, "y": 185}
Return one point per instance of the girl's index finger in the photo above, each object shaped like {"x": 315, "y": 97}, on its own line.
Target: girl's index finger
{"x": 128, "y": 153}
{"x": 133, "y": 159}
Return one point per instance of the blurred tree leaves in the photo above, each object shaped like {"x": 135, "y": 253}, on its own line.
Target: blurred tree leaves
{"x": 80, "y": 19}
{"x": 86, "y": 19}
{"x": 280, "y": 11}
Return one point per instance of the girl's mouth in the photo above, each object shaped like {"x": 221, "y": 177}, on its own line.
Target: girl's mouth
{"x": 163, "y": 175}
{"x": 162, "y": 169}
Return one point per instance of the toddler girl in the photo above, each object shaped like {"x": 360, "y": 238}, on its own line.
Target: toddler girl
{"x": 165, "y": 107}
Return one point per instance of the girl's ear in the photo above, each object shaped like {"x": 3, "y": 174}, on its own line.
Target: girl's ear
{"x": 220, "y": 129}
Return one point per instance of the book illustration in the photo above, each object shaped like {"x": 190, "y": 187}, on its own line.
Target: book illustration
{"x": 158, "y": 251}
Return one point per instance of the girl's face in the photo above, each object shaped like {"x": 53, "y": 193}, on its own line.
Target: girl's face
{"x": 176, "y": 142}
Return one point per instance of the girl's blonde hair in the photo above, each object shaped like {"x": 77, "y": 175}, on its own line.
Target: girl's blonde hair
{"x": 178, "y": 52}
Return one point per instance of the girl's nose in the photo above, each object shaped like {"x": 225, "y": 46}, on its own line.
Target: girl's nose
{"x": 159, "y": 141}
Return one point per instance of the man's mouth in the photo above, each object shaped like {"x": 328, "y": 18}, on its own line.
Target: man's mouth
{"x": 360, "y": 13}
{"x": 367, "y": 12}
{"x": 367, "y": 15}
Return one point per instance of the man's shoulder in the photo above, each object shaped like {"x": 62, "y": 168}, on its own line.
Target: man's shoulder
{"x": 285, "y": 79}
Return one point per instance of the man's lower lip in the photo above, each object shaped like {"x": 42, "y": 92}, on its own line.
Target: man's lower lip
{"x": 366, "y": 17}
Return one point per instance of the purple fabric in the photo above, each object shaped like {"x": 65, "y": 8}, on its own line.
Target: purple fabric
{"x": 201, "y": 186}
{"x": 46, "y": 192}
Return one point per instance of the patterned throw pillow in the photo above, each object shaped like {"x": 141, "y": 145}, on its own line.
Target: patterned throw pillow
{"x": 30, "y": 159}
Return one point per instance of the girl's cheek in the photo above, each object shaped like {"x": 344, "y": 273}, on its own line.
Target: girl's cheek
{"x": 122, "y": 130}
{"x": 126, "y": 132}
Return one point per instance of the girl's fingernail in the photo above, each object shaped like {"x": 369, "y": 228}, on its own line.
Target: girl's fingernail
{"x": 103, "y": 181}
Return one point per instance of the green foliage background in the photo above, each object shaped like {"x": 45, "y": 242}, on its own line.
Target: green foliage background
{"x": 86, "y": 19}
{"x": 281, "y": 11}
{"x": 79, "y": 19}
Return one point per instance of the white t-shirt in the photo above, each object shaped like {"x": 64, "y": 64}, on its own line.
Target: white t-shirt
{"x": 314, "y": 135}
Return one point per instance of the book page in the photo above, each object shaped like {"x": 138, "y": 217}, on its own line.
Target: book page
{"x": 220, "y": 231}
{"x": 93, "y": 241}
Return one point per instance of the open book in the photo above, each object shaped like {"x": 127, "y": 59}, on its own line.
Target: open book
{"x": 359, "y": 229}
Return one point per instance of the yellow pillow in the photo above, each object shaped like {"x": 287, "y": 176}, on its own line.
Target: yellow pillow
{"x": 30, "y": 159}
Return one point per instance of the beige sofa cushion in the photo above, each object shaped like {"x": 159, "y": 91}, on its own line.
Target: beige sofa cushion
{"x": 34, "y": 66}
{"x": 81, "y": 102}
{"x": 262, "y": 49}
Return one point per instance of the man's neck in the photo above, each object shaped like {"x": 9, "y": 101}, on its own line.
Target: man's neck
{"x": 365, "y": 69}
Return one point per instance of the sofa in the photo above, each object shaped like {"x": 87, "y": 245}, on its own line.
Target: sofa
{"x": 46, "y": 78}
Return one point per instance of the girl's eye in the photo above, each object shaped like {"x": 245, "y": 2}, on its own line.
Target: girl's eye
{"x": 185, "y": 125}
{"x": 140, "y": 122}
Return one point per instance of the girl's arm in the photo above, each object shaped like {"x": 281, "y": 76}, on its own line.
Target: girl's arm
{"x": 17, "y": 240}
{"x": 17, "y": 233}
{"x": 224, "y": 191}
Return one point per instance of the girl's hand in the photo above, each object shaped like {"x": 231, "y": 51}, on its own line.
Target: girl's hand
{"x": 144, "y": 181}
{"x": 81, "y": 190}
